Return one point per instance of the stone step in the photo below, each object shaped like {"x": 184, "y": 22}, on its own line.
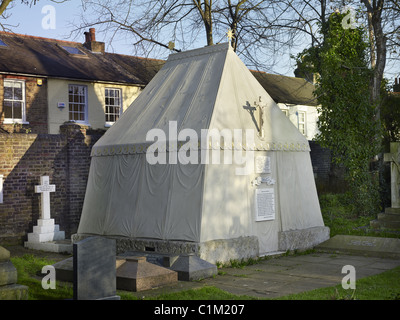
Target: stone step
{"x": 392, "y": 210}
{"x": 387, "y": 224}
{"x": 388, "y": 217}
{"x": 365, "y": 246}
{"x": 59, "y": 246}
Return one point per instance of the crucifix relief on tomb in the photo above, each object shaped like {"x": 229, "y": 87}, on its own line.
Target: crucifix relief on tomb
{"x": 394, "y": 158}
{"x": 257, "y": 115}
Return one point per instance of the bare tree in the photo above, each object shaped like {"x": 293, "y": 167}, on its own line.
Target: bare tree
{"x": 155, "y": 24}
{"x": 3, "y": 5}
{"x": 262, "y": 29}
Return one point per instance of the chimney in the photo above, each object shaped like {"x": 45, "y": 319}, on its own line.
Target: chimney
{"x": 92, "y": 32}
{"x": 91, "y": 43}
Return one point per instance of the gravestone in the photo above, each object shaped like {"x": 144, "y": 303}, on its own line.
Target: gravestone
{"x": 94, "y": 270}
{"x": 390, "y": 219}
{"x": 136, "y": 274}
{"x": 366, "y": 246}
{"x": 394, "y": 158}
{"x": 46, "y": 232}
{"x": 9, "y": 289}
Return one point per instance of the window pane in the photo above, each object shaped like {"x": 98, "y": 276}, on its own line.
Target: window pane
{"x": 8, "y": 109}
{"x": 17, "y": 93}
{"x": 8, "y": 92}
{"x": 112, "y": 104}
{"x": 72, "y": 50}
{"x": 17, "y": 109}
{"x": 77, "y": 102}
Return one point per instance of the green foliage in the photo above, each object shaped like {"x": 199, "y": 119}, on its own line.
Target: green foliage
{"x": 347, "y": 120}
{"x": 390, "y": 115}
{"x": 338, "y": 212}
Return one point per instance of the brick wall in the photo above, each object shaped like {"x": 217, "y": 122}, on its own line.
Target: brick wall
{"x": 65, "y": 158}
{"x": 35, "y": 105}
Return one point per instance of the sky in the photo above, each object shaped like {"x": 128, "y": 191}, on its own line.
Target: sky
{"x": 30, "y": 20}
{"x": 52, "y": 20}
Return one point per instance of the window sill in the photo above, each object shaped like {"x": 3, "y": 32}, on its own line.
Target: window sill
{"x": 14, "y": 121}
{"x": 83, "y": 123}
{"x": 108, "y": 124}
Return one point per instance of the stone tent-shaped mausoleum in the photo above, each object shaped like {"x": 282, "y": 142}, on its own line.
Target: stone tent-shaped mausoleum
{"x": 245, "y": 188}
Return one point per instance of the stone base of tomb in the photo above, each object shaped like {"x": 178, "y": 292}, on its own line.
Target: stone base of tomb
{"x": 302, "y": 239}
{"x": 221, "y": 250}
{"x": 212, "y": 251}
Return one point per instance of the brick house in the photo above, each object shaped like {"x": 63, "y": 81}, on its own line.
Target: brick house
{"x": 46, "y": 82}
{"x": 53, "y": 94}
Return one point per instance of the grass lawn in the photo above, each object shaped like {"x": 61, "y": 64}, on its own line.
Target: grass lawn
{"x": 384, "y": 286}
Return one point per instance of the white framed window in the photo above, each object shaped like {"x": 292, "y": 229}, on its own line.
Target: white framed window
{"x": 77, "y": 103}
{"x": 14, "y": 101}
{"x": 301, "y": 122}
{"x": 113, "y": 105}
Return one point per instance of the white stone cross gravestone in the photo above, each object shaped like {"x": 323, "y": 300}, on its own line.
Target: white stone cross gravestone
{"x": 394, "y": 158}
{"x": 46, "y": 230}
{"x": 45, "y": 188}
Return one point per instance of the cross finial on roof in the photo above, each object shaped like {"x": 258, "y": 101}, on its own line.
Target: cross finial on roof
{"x": 230, "y": 34}
{"x": 171, "y": 45}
